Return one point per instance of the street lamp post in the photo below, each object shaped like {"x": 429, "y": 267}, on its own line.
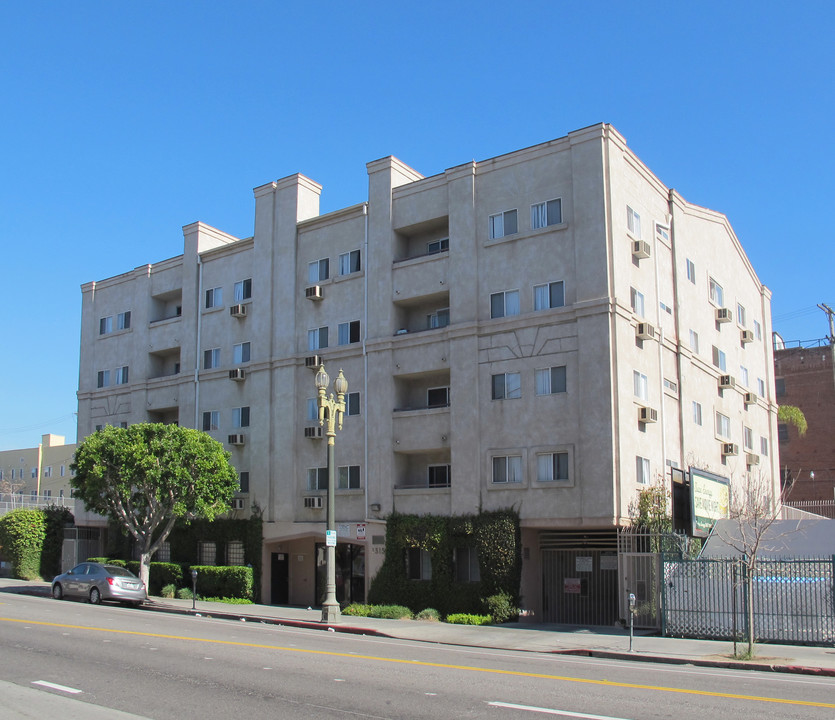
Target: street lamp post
{"x": 331, "y": 410}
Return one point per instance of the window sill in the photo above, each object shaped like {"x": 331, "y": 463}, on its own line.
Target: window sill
{"x": 114, "y": 332}
{"x": 506, "y": 486}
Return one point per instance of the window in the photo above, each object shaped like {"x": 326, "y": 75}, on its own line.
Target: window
{"x": 782, "y": 432}
{"x": 123, "y": 424}
{"x": 235, "y": 552}
{"x": 743, "y": 375}
{"x": 465, "y": 565}
{"x": 666, "y": 308}
{"x": 240, "y": 353}
{"x": 317, "y": 479}
{"x": 723, "y": 425}
{"x": 719, "y": 359}
{"x": 352, "y": 404}
{"x": 47, "y": 471}
{"x": 437, "y": 397}
{"x": 436, "y": 246}
{"x": 312, "y": 409}
{"x": 717, "y": 295}
{"x": 123, "y": 320}
{"x": 103, "y": 379}
{"x": 504, "y": 303}
{"x": 642, "y": 470}
{"x": 318, "y": 270}
{"x": 633, "y": 222}
{"x": 240, "y": 417}
{"x": 214, "y": 297}
{"x": 507, "y": 469}
{"x": 243, "y": 290}
{"x": 438, "y": 476}
{"x": 62, "y": 472}
{"x": 211, "y": 420}
{"x": 348, "y": 477}
{"x": 211, "y": 358}
{"x": 779, "y": 386}
{"x": 106, "y": 325}
{"x": 764, "y": 446}
{"x": 47, "y": 493}
{"x": 691, "y": 271}
{"x": 348, "y": 332}
{"x": 207, "y": 552}
{"x": 747, "y": 438}
{"x": 501, "y": 224}
{"x": 61, "y": 493}
{"x": 694, "y": 341}
{"x": 418, "y": 564}
{"x": 438, "y": 319}
{"x": 758, "y": 330}
{"x": 317, "y": 339}
{"x": 662, "y": 232}
{"x": 550, "y": 295}
{"x": 697, "y": 413}
{"x": 671, "y": 386}
{"x": 740, "y": 315}
{"x": 507, "y": 386}
{"x": 243, "y": 481}
{"x": 122, "y": 375}
{"x": 761, "y": 387}
{"x": 546, "y": 213}
{"x": 640, "y": 385}
{"x": 552, "y": 467}
{"x": 550, "y": 381}
{"x": 349, "y": 262}
{"x": 636, "y": 299}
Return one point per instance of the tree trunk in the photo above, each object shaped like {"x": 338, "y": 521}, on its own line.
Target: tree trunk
{"x": 145, "y": 563}
{"x": 749, "y": 608}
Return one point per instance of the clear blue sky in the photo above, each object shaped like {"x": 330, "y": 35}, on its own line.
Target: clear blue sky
{"x": 122, "y": 122}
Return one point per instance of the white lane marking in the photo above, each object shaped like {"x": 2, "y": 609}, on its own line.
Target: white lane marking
{"x": 551, "y": 711}
{"x": 53, "y": 686}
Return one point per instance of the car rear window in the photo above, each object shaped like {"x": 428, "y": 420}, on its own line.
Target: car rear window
{"x": 117, "y": 571}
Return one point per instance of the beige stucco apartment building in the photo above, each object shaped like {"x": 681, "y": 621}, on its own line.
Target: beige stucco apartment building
{"x": 36, "y": 475}
{"x": 550, "y": 329}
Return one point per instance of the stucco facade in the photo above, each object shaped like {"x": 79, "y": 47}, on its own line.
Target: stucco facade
{"x": 487, "y": 321}
{"x": 38, "y": 475}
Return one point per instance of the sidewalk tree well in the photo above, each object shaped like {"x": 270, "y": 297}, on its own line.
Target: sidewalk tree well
{"x": 148, "y": 475}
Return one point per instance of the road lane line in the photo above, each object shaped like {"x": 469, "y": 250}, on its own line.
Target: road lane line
{"x": 442, "y": 666}
{"x": 53, "y": 686}
{"x": 551, "y": 711}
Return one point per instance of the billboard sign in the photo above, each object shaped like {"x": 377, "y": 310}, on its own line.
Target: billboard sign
{"x": 710, "y": 498}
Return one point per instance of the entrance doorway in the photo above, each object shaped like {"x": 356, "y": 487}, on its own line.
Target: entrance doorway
{"x": 350, "y": 573}
{"x": 280, "y": 579}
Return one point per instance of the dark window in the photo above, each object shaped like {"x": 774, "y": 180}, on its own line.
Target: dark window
{"x": 780, "y": 386}
{"x": 244, "y": 481}
{"x": 782, "y": 432}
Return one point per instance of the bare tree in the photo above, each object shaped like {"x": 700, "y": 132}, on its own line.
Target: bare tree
{"x": 7, "y": 487}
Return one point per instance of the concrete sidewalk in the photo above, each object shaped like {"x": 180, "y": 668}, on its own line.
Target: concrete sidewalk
{"x": 598, "y": 642}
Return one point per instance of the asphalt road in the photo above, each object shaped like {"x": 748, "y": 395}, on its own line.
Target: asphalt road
{"x": 73, "y": 660}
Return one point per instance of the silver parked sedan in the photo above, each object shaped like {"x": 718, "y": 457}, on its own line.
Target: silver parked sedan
{"x": 98, "y": 582}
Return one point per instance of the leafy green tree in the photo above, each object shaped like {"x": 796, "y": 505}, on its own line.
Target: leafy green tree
{"x": 147, "y": 475}
{"x": 793, "y": 416}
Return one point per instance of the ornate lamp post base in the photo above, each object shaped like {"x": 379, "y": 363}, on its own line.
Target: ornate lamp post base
{"x": 330, "y": 612}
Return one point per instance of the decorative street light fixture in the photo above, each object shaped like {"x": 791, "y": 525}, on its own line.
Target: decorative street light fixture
{"x": 331, "y": 411}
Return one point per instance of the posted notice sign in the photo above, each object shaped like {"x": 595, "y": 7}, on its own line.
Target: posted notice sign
{"x": 330, "y": 538}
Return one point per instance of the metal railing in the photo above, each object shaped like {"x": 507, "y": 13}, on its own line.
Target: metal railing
{"x": 809, "y": 509}
{"x": 9, "y": 502}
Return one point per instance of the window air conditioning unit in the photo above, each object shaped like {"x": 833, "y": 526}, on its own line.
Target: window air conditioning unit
{"x": 723, "y": 315}
{"x": 645, "y": 331}
{"x": 647, "y": 415}
{"x": 237, "y": 310}
{"x": 236, "y": 439}
{"x": 750, "y": 398}
{"x": 640, "y": 249}
{"x": 747, "y": 336}
{"x": 730, "y": 449}
{"x": 752, "y": 458}
{"x": 314, "y": 502}
{"x": 313, "y": 361}
{"x": 313, "y": 432}
{"x": 237, "y": 374}
{"x": 237, "y": 503}
{"x": 314, "y": 292}
{"x": 726, "y": 382}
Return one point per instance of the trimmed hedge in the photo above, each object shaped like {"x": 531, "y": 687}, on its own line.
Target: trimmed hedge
{"x": 224, "y": 581}
{"x": 32, "y": 539}
{"x": 160, "y": 574}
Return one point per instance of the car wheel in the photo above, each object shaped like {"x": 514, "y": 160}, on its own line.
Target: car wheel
{"x": 57, "y": 591}
{"x": 95, "y": 596}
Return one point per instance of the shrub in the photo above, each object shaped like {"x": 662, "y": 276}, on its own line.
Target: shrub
{"x": 391, "y": 612}
{"x": 232, "y": 581}
{"x": 501, "y": 609}
{"x": 468, "y": 619}
{"x": 185, "y": 594}
{"x": 168, "y": 591}
{"x": 22, "y": 535}
{"x": 228, "y": 601}
{"x": 357, "y": 610}
{"x": 428, "y": 614}
{"x": 160, "y": 574}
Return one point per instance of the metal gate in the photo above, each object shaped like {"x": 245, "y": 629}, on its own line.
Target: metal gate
{"x": 79, "y": 544}
{"x": 641, "y": 574}
{"x": 579, "y": 578}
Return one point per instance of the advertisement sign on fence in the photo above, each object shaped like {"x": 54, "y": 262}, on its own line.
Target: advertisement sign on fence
{"x": 710, "y": 498}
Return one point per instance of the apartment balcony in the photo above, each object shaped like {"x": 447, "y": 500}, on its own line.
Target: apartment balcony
{"x": 169, "y": 415}
{"x": 421, "y": 430}
{"x": 417, "y": 278}
{"x": 166, "y": 306}
{"x": 424, "y": 472}
{"x": 428, "y": 312}
{"x": 164, "y": 363}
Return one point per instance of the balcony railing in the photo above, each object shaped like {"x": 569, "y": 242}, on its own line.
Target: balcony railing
{"x": 9, "y": 502}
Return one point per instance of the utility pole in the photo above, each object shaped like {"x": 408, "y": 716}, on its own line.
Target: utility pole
{"x": 831, "y": 315}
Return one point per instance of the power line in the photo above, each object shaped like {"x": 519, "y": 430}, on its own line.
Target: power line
{"x": 35, "y": 426}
